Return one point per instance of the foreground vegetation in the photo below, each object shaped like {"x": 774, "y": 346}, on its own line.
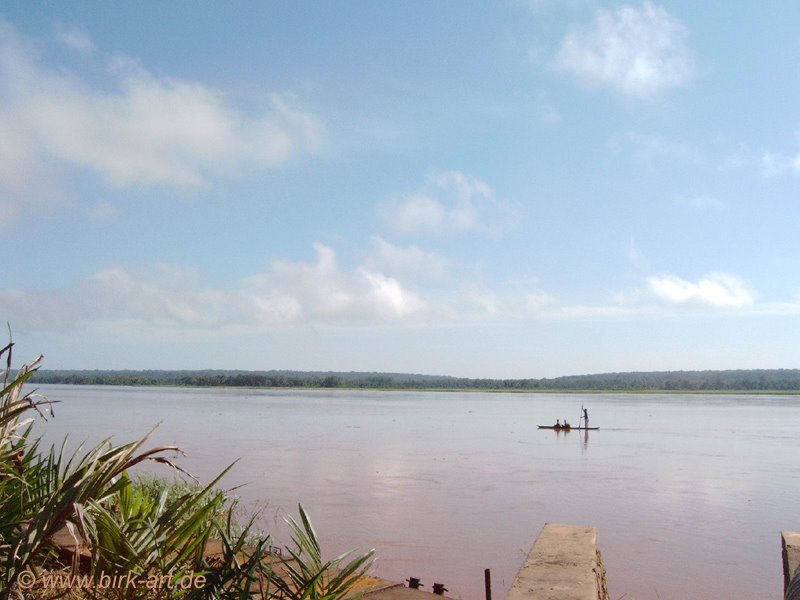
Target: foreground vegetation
{"x": 158, "y": 536}
{"x": 775, "y": 380}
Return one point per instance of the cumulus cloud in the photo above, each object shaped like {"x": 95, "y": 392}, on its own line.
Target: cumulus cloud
{"x": 638, "y": 52}
{"x": 405, "y": 260}
{"x": 135, "y": 128}
{"x": 161, "y": 296}
{"x": 717, "y": 290}
{"x": 287, "y": 293}
{"x": 451, "y": 202}
{"x": 165, "y": 295}
{"x": 323, "y": 290}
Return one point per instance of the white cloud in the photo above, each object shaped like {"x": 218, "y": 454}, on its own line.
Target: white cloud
{"x": 320, "y": 291}
{"x": 288, "y": 293}
{"x": 451, "y": 202}
{"x": 386, "y": 298}
{"x": 717, "y": 290}
{"x": 416, "y": 213}
{"x": 408, "y": 260}
{"x": 75, "y": 38}
{"x": 323, "y": 290}
{"x": 136, "y": 128}
{"x": 639, "y": 52}
{"x": 167, "y": 294}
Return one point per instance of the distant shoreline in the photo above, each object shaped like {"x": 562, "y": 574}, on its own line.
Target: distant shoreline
{"x": 453, "y": 390}
{"x": 753, "y": 381}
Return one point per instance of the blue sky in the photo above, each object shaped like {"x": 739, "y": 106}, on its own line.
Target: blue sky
{"x": 500, "y": 189}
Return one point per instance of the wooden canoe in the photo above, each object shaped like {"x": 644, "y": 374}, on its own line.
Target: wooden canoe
{"x": 566, "y": 428}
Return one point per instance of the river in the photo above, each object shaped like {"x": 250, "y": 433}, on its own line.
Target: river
{"x": 688, "y": 492}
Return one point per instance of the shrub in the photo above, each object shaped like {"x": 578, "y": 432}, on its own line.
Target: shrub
{"x": 148, "y": 527}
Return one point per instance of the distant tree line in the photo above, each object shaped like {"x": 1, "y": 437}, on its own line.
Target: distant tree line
{"x": 743, "y": 379}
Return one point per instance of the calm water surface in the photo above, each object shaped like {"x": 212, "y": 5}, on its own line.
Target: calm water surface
{"x": 688, "y": 493}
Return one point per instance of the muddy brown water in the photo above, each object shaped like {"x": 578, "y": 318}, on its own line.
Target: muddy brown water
{"x": 688, "y": 492}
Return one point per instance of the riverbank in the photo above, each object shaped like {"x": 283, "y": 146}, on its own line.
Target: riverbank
{"x": 458, "y": 390}
{"x": 771, "y": 381}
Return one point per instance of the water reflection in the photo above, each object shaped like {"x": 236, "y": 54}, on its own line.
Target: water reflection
{"x": 583, "y": 436}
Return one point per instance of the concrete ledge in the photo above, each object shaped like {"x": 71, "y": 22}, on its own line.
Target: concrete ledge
{"x": 564, "y": 564}
{"x": 790, "y": 550}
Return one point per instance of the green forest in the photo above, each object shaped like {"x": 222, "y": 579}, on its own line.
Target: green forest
{"x": 768, "y": 380}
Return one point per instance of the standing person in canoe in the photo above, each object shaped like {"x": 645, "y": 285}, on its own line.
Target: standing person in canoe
{"x": 586, "y": 418}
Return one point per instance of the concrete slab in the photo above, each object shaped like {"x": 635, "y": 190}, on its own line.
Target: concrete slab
{"x": 562, "y": 565}
{"x": 790, "y": 550}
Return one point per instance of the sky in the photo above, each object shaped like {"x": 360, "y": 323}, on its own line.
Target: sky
{"x": 519, "y": 188}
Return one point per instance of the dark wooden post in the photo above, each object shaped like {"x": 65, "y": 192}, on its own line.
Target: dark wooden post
{"x": 487, "y": 577}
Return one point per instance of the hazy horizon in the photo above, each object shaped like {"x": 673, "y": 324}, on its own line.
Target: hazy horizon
{"x": 407, "y": 374}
